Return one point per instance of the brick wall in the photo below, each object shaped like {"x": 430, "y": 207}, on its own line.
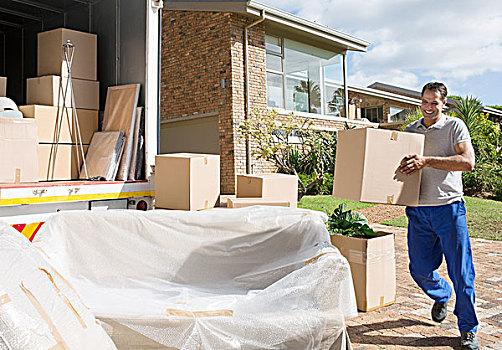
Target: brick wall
{"x": 203, "y": 71}
{"x": 372, "y": 101}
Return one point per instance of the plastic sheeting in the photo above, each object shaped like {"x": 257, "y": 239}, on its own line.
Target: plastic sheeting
{"x": 250, "y": 278}
{"x": 38, "y": 308}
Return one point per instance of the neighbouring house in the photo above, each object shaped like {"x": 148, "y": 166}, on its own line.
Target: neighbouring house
{"x": 492, "y": 113}
{"x": 389, "y": 109}
{"x": 221, "y": 60}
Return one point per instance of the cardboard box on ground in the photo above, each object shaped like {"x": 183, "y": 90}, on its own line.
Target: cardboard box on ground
{"x": 373, "y": 266}
{"x": 273, "y": 187}
{"x": 248, "y": 202}
{"x": 18, "y": 150}
{"x": 367, "y": 166}
{"x": 187, "y": 181}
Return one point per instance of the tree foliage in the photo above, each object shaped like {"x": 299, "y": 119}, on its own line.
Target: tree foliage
{"x": 293, "y": 147}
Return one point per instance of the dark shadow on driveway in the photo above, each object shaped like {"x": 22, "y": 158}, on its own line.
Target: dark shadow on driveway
{"x": 364, "y": 335}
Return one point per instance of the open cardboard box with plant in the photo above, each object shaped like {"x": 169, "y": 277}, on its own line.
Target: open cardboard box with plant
{"x": 370, "y": 255}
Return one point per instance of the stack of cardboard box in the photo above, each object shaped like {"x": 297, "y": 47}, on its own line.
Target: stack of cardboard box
{"x": 265, "y": 189}
{"x": 59, "y": 155}
{"x": 367, "y": 170}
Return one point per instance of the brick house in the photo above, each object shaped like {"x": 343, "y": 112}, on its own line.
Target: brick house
{"x": 388, "y": 109}
{"x": 293, "y": 65}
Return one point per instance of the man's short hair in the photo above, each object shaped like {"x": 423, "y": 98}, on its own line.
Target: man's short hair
{"x": 438, "y": 87}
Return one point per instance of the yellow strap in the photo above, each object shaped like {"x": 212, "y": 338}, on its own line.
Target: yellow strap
{"x": 57, "y": 336}
{"x": 4, "y": 299}
{"x": 65, "y": 299}
{"x": 310, "y": 261}
{"x": 198, "y": 314}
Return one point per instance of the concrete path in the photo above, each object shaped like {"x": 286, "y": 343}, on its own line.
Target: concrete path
{"x": 407, "y": 323}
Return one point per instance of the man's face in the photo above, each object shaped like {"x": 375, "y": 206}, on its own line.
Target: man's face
{"x": 432, "y": 105}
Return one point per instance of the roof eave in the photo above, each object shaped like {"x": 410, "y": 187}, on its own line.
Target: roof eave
{"x": 282, "y": 18}
{"x": 324, "y": 35}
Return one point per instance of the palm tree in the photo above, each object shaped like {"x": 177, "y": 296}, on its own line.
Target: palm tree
{"x": 469, "y": 110}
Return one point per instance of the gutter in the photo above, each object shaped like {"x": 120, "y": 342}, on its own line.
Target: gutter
{"x": 246, "y": 78}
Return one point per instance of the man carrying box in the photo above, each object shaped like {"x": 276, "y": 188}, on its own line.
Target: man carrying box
{"x": 438, "y": 226}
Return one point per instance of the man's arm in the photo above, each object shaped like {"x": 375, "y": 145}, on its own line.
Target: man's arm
{"x": 463, "y": 161}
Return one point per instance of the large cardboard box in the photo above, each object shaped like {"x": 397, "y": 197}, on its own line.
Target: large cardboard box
{"x": 47, "y": 91}
{"x": 48, "y": 117}
{"x": 18, "y": 150}
{"x": 187, "y": 181}
{"x": 248, "y": 202}
{"x": 367, "y": 166}
{"x": 3, "y": 86}
{"x": 50, "y": 58}
{"x": 277, "y": 187}
{"x": 61, "y": 164}
{"x": 373, "y": 266}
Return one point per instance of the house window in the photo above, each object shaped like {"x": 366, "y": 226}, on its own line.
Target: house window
{"x": 398, "y": 114}
{"x": 303, "y": 78}
{"x": 373, "y": 114}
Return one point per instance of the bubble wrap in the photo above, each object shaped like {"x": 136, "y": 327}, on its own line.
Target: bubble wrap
{"x": 38, "y": 310}
{"x": 250, "y": 278}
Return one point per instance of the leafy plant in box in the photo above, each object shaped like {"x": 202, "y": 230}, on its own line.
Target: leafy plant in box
{"x": 348, "y": 223}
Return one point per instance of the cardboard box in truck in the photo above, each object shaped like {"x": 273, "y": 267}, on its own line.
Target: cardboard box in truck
{"x": 49, "y": 119}
{"x": 50, "y": 58}
{"x": 47, "y": 91}
{"x": 18, "y": 150}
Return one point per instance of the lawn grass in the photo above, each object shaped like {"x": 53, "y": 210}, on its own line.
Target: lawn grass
{"x": 484, "y": 218}
{"x": 329, "y": 203}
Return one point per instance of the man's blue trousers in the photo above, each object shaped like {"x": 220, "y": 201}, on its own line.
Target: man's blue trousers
{"x": 434, "y": 232}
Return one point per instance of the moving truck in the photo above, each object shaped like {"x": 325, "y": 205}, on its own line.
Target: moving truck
{"x": 128, "y": 43}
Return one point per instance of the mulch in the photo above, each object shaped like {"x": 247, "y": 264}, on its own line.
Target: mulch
{"x": 382, "y": 212}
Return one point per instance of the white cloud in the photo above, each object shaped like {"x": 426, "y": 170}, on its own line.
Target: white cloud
{"x": 414, "y": 40}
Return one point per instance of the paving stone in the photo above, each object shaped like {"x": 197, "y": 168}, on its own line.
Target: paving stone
{"x": 406, "y": 324}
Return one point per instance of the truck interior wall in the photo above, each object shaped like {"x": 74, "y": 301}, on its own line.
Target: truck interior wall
{"x": 121, "y": 58}
{"x": 121, "y": 29}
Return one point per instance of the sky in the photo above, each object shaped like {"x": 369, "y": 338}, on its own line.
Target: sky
{"x": 458, "y": 42}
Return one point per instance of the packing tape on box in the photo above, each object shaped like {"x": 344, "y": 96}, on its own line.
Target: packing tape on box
{"x": 199, "y": 314}
{"x": 4, "y": 299}
{"x": 62, "y": 296}
{"x": 55, "y": 333}
{"x": 18, "y": 176}
{"x": 394, "y": 135}
{"x": 359, "y": 257}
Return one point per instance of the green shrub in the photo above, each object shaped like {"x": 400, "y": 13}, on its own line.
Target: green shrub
{"x": 348, "y": 223}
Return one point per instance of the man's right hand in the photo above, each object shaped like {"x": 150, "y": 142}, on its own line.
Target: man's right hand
{"x": 412, "y": 163}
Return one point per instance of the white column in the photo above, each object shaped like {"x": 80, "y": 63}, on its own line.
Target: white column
{"x": 152, "y": 84}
